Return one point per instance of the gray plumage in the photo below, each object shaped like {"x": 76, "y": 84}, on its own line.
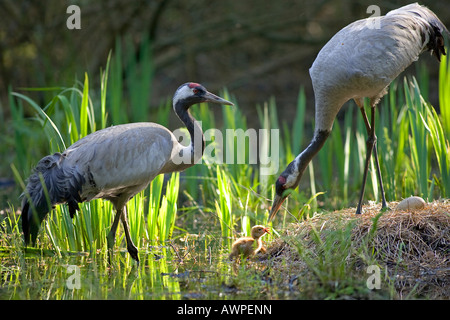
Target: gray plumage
{"x": 113, "y": 164}
{"x": 363, "y": 58}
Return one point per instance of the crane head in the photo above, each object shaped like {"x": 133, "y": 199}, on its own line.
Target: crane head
{"x": 258, "y": 231}
{"x": 192, "y": 93}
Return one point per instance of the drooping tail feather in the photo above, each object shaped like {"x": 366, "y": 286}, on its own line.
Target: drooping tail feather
{"x": 52, "y": 182}
{"x": 436, "y": 42}
{"x": 434, "y": 27}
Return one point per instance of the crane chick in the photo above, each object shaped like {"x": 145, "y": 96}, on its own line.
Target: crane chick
{"x": 249, "y": 246}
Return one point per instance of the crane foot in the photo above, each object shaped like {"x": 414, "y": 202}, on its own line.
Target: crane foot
{"x": 133, "y": 251}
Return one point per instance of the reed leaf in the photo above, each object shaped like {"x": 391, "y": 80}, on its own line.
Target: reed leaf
{"x": 441, "y": 147}
{"x": 224, "y": 206}
{"x": 154, "y": 205}
{"x": 418, "y": 138}
{"x": 168, "y": 211}
{"x": 444, "y": 93}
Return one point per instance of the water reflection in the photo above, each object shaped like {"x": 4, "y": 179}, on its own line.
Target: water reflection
{"x": 88, "y": 277}
{"x": 194, "y": 269}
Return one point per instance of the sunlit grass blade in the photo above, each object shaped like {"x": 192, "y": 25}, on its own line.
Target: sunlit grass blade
{"x": 168, "y": 210}
{"x": 70, "y": 117}
{"x": 84, "y": 108}
{"x": 87, "y": 114}
{"x": 153, "y": 208}
{"x": 103, "y": 92}
{"x": 441, "y": 147}
{"x": 136, "y": 221}
{"x": 224, "y": 206}
{"x": 264, "y": 147}
{"x": 444, "y": 93}
{"x": 418, "y": 139}
{"x": 246, "y": 225}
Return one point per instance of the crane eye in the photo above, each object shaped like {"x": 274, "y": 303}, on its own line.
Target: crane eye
{"x": 282, "y": 180}
{"x": 195, "y": 90}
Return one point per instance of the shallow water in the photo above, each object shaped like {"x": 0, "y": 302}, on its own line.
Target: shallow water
{"x": 82, "y": 277}
{"x": 171, "y": 272}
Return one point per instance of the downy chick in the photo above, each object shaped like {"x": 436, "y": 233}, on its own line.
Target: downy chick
{"x": 249, "y": 246}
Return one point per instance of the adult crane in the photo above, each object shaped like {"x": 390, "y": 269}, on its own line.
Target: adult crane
{"x": 114, "y": 164}
{"x": 359, "y": 61}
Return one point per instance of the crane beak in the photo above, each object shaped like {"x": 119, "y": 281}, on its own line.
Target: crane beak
{"x": 277, "y": 202}
{"x": 266, "y": 230}
{"x": 209, "y": 97}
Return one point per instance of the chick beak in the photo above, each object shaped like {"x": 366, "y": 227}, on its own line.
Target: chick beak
{"x": 277, "y": 202}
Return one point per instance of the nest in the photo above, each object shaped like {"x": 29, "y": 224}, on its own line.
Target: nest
{"x": 412, "y": 246}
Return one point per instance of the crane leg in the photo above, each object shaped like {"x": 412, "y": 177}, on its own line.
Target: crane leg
{"x": 380, "y": 180}
{"x": 111, "y": 237}
{"x": 371, "y": 147}
{"x": 132, "y": 249}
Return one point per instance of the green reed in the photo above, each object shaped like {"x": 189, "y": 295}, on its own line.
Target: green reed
{"x": 441, "y": 146}
{"x": 444, "y": 94}
{"x": 224, "y": 205}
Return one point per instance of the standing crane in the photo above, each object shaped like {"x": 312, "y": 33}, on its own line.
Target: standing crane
{"x": 361, "y": 60}
{"x": 114, "y": 164}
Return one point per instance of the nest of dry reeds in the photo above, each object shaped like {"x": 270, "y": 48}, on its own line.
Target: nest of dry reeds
{"x": 413, "y": 246}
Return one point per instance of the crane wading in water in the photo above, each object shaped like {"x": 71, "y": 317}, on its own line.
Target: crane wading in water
{"x": 114, "y": 164}
{"x": 361, "y": 60}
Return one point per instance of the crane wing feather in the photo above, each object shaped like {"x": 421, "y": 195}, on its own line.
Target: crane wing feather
{"x": 363, "y": 58}
{"x": 121, "y": 156}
